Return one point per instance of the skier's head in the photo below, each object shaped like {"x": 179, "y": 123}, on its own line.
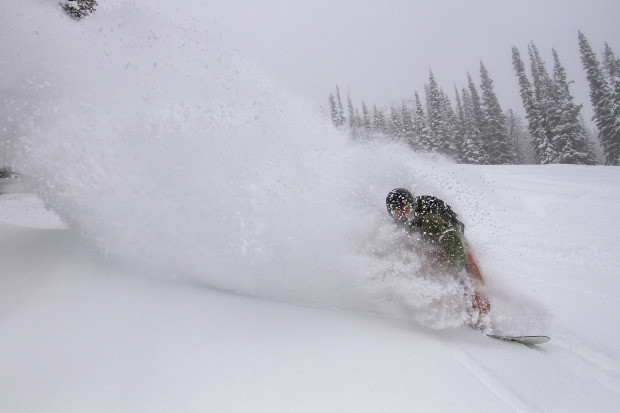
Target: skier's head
{"x": 399, "y": 204}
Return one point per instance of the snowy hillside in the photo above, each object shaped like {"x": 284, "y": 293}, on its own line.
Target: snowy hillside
{"x": 188, "y": 235}
{"x": 83, "y": 333}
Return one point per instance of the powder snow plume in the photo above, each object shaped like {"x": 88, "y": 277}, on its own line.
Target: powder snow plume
{"x": 170, "y": 153}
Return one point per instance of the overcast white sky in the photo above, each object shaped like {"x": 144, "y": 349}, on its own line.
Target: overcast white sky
{"x": 382, "y": 50}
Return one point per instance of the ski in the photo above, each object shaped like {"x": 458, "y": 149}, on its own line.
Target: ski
{"x": 527, "y": 340}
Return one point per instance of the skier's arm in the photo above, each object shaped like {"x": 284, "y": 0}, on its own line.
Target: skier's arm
{"x": 472, "y": 268}
{"x": 479, "y": 301}
{"x": 448, "y": 238}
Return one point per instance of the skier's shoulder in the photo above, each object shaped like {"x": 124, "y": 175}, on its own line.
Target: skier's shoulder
{"x": 428, "y": 203}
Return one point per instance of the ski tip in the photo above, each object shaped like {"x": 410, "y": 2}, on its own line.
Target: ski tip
{"x": 528, "y": 340}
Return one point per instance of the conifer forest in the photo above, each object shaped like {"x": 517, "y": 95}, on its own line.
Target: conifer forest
{"x": 473, "y": 128}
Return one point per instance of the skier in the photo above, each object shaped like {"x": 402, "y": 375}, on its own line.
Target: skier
{"x": 440, "y": 225}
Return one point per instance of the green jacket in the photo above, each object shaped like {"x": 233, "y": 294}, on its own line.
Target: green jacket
{"x": 441, "y": 232}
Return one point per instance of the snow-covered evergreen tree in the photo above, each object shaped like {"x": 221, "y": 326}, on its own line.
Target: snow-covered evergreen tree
{"x": 379, "y": 123}
{"x": 569, "y": 138}
{"x": 521, "y": 140}
{"x": 78, "y": 9}
{"x": 354, "y": 121}
{"x": 5, "y": 172}
{"x": 395, "y": 126}
{"x": 433, "y": 113}
{"x": 340, "y": 117}
{"x": 333, "y": 111}
{"x": 366, "y": 122}
{"x": 612, "y": 69}
{"x": 611, "y": 64}
{"x": 497, "y": 143}
{"x": 450, "y": 141}
{"x": 543, "y": 87}
{"x": 336, "y": 110}
{"x": 477, "y": 117}
{"x": 408, "y": 130}
{"x": 460, "y": 123}
{"x": 441, "y": 119}
{"x": 553, "y": 117}
{"x": 602, "y": 99}
{"x": 530, "y": 104}
{"x": 468, "y": 151}
{"x": 421, "y": 126}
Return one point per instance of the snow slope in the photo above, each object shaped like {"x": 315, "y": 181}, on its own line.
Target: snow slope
{"x": 80, "y": 332}
{"x": 189, "y": 236}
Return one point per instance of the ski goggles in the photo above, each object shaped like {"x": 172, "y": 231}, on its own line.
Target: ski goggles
{"x": 402, "y": 213}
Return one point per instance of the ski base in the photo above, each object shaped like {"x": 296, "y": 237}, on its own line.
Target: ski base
{"x": 528, "y": 340}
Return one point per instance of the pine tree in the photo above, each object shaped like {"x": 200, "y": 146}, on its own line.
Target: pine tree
{"x": 602, "y": 100}
{"x": 467, "y": 150}
{"x": 460, "y": 124}
{"x": 611, "y": 65}
{"x": 421, "y": 127}
{"x": 5, "y": 172}
{"x": 545, "y": 106}
{"x": 340, "y": 117}
{"x": 379, "y": 123}
{"x": 333, "y": 111}
{"x": 519, "y": 138}
{"x": 441, "y": 119}
{"x": 612, "y": 68}
{"x": 433, "y": 113}
{"x": 557, "y": 135}
{"x": 449, "y": 128}
{"x": 336, "y": 109}
{"x": 531, "y": 107}
{"x": 477, "y": 117}
{"x": 395, "y": 126}
{"x": 366, "y": 122}
{"x": 569, "y": 138}
{"x": 78, "y": 9}
{"x": 408, "y": 129}
{"x": 498, "y": 145}
{"x": 354, "y": 122}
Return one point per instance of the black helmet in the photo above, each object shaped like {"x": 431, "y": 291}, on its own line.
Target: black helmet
{"x": 397, "y": 198}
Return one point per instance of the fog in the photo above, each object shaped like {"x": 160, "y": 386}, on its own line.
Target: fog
{"x": 381, "y": 51}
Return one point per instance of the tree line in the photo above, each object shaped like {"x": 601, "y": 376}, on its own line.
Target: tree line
{"x": 475, "y": 130}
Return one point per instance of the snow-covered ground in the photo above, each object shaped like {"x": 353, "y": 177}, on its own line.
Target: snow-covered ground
{"x": 189, "y": 236}
{"x": 79, "y": 332}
